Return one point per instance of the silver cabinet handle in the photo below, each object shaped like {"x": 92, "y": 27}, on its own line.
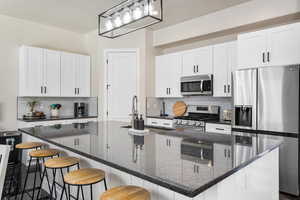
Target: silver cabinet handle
{"x": 78, "y": 90}
{"x": 153, "y": 122}
{"x": 41, "y": 89}
{"x": 194, "y": 69}
{"x": 194, "y": 168}
{"x": 220, "y": 129}
{"x": 166, "y": 90}
{"x": 45, "y": 90}
{"x": 75, "y": 91}
{"x": 197, "y": 68}
{"x": 224, "y": 88}
{"x": 228, "y": 87}
{"x": 225, "y": 154}
{"x": 264, "y": 57}
{"x": 229, "y": 153}
{"x": 268, "y": 56}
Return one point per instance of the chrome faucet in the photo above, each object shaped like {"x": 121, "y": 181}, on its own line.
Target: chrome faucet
{"x": 134, "y": 113}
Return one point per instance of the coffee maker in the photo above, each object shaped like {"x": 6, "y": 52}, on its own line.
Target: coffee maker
{"x": 80, "y": 109}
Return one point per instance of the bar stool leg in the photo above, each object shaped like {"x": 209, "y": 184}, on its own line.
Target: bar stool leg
{"x": 24, "y": 187}
{"x": 64, "y": 185}
{"x": 34, "y": 181}
{"x": 82, "y": 194}
{"x": 105, "y": 186}
{"x": 91, "y": 191}
{"x": 77, "y": 197}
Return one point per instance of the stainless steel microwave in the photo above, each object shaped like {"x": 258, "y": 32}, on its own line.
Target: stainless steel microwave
{"x": 197, "y": 85}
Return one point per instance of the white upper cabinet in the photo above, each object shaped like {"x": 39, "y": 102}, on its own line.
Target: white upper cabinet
{"x": 51, "y": 73}
{"x": 197, "y": 62}
{"x": 167, "y": 74}
{"x": 270, "y": 47}
{"x": 75, "y": 75}
{"x": 224, "y": 64}
{"x": 44, "y": 72}
{"x": 39, "y": 72}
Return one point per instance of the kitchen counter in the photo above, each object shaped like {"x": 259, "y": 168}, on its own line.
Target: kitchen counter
{"x": 185, "y": 161}
{"x": 49, "y": 118}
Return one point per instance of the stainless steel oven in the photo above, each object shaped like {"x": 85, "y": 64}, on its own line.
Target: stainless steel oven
{"x": 197, "y": 85}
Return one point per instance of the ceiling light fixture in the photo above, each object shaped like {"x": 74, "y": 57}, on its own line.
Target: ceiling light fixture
{"x": 129, "y": 16}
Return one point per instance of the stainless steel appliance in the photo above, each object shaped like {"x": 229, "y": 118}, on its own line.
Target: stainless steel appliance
{"x": 197, "y": 85}
{"x": 244, "y": 83}
{"x": 273, "y": 95}
{"x": 197, "y": 116}
{"x": 198, "y": 151}
{"x": 80, "y": 109}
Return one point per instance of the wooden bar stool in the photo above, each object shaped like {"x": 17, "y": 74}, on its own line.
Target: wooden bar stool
{"x": 126, "y": 193}
{"x": 28, "y": 146}
{"x": 85, "y": 177}
{"x": 42, "y": 154}
{"x": 60, "y": 163}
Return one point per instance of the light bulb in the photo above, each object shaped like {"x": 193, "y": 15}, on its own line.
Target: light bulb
{"x": 118, "y": 21}
{"x": 109, "y": 25}
{"x": 137, "y": 12}
{"x": 127, "y": 16}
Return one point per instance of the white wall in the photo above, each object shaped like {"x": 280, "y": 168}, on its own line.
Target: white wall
{"x": 243, "y": 14}
{"x": 13, "y": 34}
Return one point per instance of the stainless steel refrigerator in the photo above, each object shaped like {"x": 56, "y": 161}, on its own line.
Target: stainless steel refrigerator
{"x": 267, "y": 100}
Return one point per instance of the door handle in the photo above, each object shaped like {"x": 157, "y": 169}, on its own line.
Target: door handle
{"x": 41, "y": 89}
{"x": 224, "y": 88}
{"x": 194, "y": 68}
{"x": 166, "y": 90}
{"x": 45, "y": 90}
{"x": 78, "y": 89}
{"x": 75, "y": 91}
{"x": 264, "y": 57}
{"x": 228, "y": 88}
{"x": 169, "y": 90}
{"x": 197, "y": 68}
{"x": 268, "y": 56}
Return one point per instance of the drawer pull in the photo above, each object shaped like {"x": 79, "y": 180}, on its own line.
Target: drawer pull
{"x": 153, "y": 122}
{"x": 166, "y": 124}
{"x": 220, "y": 129}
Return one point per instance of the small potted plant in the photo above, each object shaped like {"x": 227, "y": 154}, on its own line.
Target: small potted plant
{"x": 54, "y": 108}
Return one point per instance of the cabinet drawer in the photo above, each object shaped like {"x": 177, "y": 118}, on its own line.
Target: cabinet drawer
{"x": 218, "y": 128}
{"x": 167, "y": 123}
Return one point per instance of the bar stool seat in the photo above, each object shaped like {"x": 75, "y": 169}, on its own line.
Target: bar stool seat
{"x": 84, "y": 176}
{"x": 44, "y": 153}
{"x": 126, "y": 193}
{"x": 29, "y": 145}
{"x": 61, "y": 162}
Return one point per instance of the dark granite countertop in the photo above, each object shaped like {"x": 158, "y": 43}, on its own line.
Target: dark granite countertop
{"x": 150, "y": 157}
{"x": 48, "y": 118}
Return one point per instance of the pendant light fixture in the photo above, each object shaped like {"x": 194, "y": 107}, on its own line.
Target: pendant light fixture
{"x": 129, "y": 16}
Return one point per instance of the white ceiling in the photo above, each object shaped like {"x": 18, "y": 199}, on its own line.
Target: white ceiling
{"x": 81, "y": 15}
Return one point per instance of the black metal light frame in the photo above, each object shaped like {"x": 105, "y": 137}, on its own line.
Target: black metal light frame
{"x": 158, "y": 20}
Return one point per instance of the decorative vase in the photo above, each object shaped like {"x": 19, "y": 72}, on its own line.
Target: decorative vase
{"x": 54, "y": 113}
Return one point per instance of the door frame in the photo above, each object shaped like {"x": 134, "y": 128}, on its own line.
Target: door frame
{"x": 105, "y": 71}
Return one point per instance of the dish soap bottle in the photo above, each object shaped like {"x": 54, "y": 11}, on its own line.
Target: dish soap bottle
{"x": 141, "y": 123}
{"x": 136, "y": 123}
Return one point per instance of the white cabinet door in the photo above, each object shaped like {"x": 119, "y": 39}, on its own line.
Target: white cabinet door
{"x": 168, "y": 73}
{"x": 232, "y": 65}
{"x": 83, "y": 76}
{"x": 174, "y": 73}
{"x": 204, "y": 60}
{"x": 34, "y": 67}
{"x": 188, "y": 63}
{"x": 220, "y": 70}
{"x": 197, "y": 62}
{"x": 251, "y": 49}
{"x": 68, "y": 74}
{"x": 284, "y": 45}
{"x": 161, "y": 70}
{"x": 51, "y": 73}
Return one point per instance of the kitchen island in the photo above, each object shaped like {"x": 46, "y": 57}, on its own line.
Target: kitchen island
{"x": 172, "y": 164}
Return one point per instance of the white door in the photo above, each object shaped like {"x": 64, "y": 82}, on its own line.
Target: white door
{"x": 35, "y": 71}
{"x": 83, "y": 74}
{"x": 252, "y": 49}
{"x": 284, "y": 45}
{"x": 4, "y": 155}
{"x": 68, "y": 75}
{"x": 51, "y": 73}
{"x": 220, "y": 70}
{"x": 121, "y": 83}
{"x": 204, "y": 60}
